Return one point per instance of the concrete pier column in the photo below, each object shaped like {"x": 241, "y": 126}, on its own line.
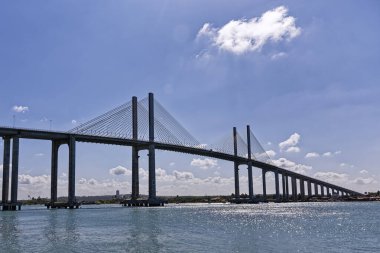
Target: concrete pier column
{"x": 263, "y": 172}
{"x": 315, "y": 189}
{"x": 236, "y": 166}
{"x": 302, "y": 189}
{"x": 54, "y": 171}
{"x": 6, "y": 161}
{"x": 287, "y": 187}
{"x": 322, "y": 190}
{"x": 328, "y": 191}
{"x": 135, "y": 152}
{"x": 309, "y": 193}
{"x": 250, "y": 176}
{"x": 283, "y": 187}
{"x": 152, "y": 152}
{"x": 71, "y": 189}
{"x": 294, "y": 189}
{"x": 15, "y": 161}
{"x": 277, "y": 186}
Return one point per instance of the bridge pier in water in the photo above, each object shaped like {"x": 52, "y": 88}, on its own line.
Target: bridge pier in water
{"x": 13, "y": 204}
{"x": 277, "y": 186}
{"x": 302, "y": 189}
{"x": 263, "y": 172}
{"x": 71, "y": 199}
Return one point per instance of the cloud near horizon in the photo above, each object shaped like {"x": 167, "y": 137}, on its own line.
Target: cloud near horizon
{"x": 120, "y": 170}
{"x": 205, "y": 163}
{"x": 249, "y": 35}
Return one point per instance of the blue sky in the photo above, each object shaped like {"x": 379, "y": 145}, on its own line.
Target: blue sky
{"x": 309, "y": 75}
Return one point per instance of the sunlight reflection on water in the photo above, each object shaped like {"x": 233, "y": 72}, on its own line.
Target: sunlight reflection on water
{"x": 291, "y": 227}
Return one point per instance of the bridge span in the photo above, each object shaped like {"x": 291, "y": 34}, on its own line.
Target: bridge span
{"x": 96, "y": 131}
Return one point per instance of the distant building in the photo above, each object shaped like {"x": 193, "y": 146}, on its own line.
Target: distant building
{"x": 117, "y": 194}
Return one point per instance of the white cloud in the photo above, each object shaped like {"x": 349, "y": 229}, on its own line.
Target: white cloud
{"x": 293, "y": 150}
{"x": 204, "y": 163}
{"x": 183, "y": 175}
{"x": 311, "y": 155}
{"x": 160, "y": 172}
{"x": 20, "y": 108}
{"x": 364, "y": 181}
{"x": 331, "y": 154}
{"x": 271, "y": 153}
{"x": 120, "y": 170}
{"x": 327, "y": 154}
{"x": 363, "y": 172}
{"x": 39, "y": 154}
{"x": 292, "y": 141}
{"x": 269, "y": 143}
{"x": 331, "y": 176}
{"x": 172, "y": 164}
{"x": 279, "y": 55}
{"x": 73, "y": 122}
{"x": 35, "y": 180}
{"x": 241, "y": 36}
{"x": 92, "y": 181}
{"x": 289, "y": 165}
{"x": 342, "y": 165}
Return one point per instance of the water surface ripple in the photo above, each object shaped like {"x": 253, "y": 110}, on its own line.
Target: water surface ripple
{"x": 290, "y": 227}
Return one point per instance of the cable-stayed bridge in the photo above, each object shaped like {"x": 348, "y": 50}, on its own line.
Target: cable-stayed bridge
{"x": 147, "y": 125}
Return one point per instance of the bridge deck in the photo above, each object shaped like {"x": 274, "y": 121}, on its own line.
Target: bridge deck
{"x": 141, "y": 144}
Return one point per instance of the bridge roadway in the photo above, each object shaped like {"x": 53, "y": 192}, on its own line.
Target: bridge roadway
{"x": 64, "y": 138}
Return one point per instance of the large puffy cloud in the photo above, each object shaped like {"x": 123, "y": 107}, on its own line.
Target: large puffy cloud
{"x": 290, "y": 145}
{"x": 204, "y": 163}
{"x": 290, "y": 165}
{"x": 241, "y": 36}
{"x": 120, "y": 170}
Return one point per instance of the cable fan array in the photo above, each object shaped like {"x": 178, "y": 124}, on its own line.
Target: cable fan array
{"x": 117, "y": 123}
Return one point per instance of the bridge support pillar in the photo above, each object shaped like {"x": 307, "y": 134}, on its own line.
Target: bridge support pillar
{"x": 54, "y": 171}
{"x": 277, "y": 186}
{"x": 250, "y": 181}
{"x": 328, "y": 191}
{"x": 294, "y": 189}
{"x": 236, "y": 166}
{"x": 250, "y": 176}
{"x": 152, "y": 153}
{"x": 315, "y": 189}
{"x": 322, "y": 190}
{"x": 15, "y": 162}
{"x": 152, "y": 172}
{"x": 135, "y": 153}
{"x": 263, "y": 172}
{"x": 309, "y": 193}
{"x": 71, "y": 190}
{"x": 287, "y": 187}
{"x": 283, "y": 187}
{"x": 302, "y": 189}
{"x": 6, "y": 161}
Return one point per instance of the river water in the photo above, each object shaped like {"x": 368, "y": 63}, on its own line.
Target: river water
{"x": 289, "y": 227}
